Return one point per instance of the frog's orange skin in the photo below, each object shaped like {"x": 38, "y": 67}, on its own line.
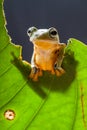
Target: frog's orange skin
{"x": 46, "y": 54}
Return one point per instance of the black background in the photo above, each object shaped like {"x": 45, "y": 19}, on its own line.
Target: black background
{"x": 68, "y": 16}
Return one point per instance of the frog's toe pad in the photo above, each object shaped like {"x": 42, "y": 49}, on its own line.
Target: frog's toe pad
{"x": 34, "y": 76}
{"x": 40, "y": 73}
{"x": 59, "y": 72}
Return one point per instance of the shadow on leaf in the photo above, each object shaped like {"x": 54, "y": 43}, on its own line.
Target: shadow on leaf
{"x": 49, "y": 82}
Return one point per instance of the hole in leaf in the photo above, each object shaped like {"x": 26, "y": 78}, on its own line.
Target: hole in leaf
{"x": 9, "y": 114}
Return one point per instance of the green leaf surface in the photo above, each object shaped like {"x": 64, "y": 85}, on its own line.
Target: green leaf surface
{"x": 58, "y": 103}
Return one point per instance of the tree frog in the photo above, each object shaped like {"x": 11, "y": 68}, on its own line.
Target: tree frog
{"x": 48, "y": 52}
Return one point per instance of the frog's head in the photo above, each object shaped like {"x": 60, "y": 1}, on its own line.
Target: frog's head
{"x": 43, "y": 37}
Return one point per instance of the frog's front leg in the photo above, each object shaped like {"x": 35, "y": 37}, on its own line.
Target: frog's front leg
{"x": 35, "y": 71}
{"x": 57, "y": 66}
{"x": 58, "y": 70}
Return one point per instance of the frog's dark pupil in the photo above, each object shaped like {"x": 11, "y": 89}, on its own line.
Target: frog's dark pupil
{"x": 53, "y": 33}
{"x": 29, "y": 31}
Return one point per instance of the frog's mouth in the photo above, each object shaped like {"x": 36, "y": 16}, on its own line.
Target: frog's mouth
{"x": 45, "y": 43}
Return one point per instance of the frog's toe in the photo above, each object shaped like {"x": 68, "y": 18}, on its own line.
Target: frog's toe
{"x": 34, "y": 70}
{"x": 58, "y": 70}
{"x": 53, "y": 72}
{"x": 35, "y": 73}
{"x": 57, "y": 73}
{"x": 33, "y": 76}
{"x": 40, "y": 73}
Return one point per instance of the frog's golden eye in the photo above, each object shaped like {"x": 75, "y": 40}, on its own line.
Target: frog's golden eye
{"x": 31, "y": 30}
{"x": 53, "y": 32}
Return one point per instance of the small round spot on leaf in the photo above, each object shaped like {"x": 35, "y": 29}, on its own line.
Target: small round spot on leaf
{"x": 9, "y": 114}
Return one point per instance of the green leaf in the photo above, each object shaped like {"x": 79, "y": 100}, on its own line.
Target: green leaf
{"x": 58, "y": 103}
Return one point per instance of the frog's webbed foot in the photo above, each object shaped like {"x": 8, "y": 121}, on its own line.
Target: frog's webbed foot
{"x": 58, "y": 70}
{"x": 35, "y": 73}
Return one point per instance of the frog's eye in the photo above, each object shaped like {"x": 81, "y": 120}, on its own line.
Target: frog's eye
{"x": 53, "y": 32}
{"x": 31, "y": 30}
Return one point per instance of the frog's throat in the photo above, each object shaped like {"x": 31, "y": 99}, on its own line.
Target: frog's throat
{"x": 45, "y": 43}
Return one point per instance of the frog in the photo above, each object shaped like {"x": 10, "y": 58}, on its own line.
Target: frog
{"x": 48, "y": 52}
